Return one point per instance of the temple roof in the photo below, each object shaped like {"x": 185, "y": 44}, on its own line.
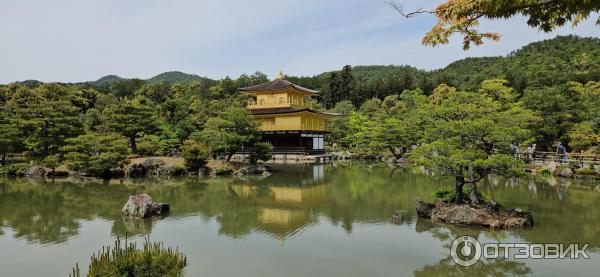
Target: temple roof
{"x": 277, "y": 84}
{"x": 288, "y": 110}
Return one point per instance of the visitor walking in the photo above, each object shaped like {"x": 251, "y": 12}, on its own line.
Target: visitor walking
{"x": 529, "y": 153}
{"x": 515, "y": 150}
{"x": 561, "y": 152}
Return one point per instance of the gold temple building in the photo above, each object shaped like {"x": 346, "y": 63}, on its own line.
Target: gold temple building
{"x": 286, "y": 120}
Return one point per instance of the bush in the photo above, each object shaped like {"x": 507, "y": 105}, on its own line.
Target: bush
{"x": 195, "y": 154}
{"x": 51, "y": 162}
{"x": 168, "y": 146}
{"x": 178, "y": 170}
{"x": 545, "y": 172}
{"x": 96, "y": 154}
{"x": 152, "y": 260}
{"x": 148, "y": 145}
{"x": 449, "y": 195}
{"x": 17, "y": 169}
{"x": 574, "y": 165}
{"x": 262, "y": 151}
{"x": 224, "y": 169}
{"x": 585, "y": 171}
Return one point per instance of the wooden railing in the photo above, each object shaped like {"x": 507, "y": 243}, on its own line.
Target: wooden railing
{"x": 299, "y": 127}
{"x": 252, "y": 104}
{"x": 552, "y": 156}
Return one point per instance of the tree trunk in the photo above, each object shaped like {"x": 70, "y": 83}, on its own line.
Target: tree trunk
{"x": 133, "y": 145}
{"x": 460, "y": 182}
{"x": 3, "y": 159}
{"x": 473, "y": 195}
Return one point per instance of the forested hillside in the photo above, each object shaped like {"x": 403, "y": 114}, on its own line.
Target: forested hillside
{"x": 544, "y": 63}
{"x": 539, "y": 64}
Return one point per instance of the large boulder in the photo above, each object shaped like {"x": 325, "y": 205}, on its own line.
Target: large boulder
{"x": 34, "y": 171}
{"x": 142, "y": 206}
{"x": 550, "y": 166}
{"x": 492, "y": 215}
{"x": 424, "y": 209}
{"x": 257, "y": 169}
{"x": 563, "y": 172}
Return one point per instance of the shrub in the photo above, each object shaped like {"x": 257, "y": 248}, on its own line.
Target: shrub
{"x": 152, "y": 260}
{"x": 51, "y": 162}
{"x": 178, "y": 170}
{"x": 17, "y": 169}
{"x": 224, "y": 169}
{"x": 448, "y": 195}
{"x": 262, "y": 151}
{"x": 545, "y": 172}
{"x": 585, "y": 171}
{"x": 195, "y": 154}
{"x": 168, "y": 146}
{"x": 148, "y": 145}
{"x": 574, "y": 165}
{"x": 96, "y": 154}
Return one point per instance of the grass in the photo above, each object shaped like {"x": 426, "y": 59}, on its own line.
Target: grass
{"x": 545, "y": 172}
{"x": 152, "y": 260}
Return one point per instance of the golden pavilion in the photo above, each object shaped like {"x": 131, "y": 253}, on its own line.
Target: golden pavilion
{"x": 286, "y": 120}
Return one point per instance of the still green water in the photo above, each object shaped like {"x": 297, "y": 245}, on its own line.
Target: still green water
{"x": 316, "y": 220}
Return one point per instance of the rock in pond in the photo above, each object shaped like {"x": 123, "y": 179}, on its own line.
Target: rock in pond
{"x": 487, "y": 215}
{"x": 142, "y": 206}
{"x": 397, "y": 216}
{"x": 258, "y": 169}
{"x": 563, "y": 172}
{"x": 35, "y": 171}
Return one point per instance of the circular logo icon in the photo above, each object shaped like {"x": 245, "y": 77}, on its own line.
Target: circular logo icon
{"x": 465, "y": 251}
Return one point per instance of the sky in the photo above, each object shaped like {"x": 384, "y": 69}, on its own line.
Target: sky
{"x": 83, "y": 40}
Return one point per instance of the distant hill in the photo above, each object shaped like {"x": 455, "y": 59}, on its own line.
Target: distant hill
{"x": 108, "y": 79}
{"x": 176, "y": 76}
{"x": 170, "y": 77}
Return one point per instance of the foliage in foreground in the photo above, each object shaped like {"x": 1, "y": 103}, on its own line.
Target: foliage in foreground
{"x": 152, "y": 260}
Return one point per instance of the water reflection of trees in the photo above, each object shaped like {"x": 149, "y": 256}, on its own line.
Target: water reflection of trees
{"x": 447, "y": 267}
{"x": 284, "y": 203}
{"x": 566, "y": 207}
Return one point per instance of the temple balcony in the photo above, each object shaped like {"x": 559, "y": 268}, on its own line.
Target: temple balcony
{"x": 294, "y": 127}
{"x": 275, "y": 103}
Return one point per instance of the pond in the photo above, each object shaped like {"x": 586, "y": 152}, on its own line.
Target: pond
{"x": 312, "y": 220}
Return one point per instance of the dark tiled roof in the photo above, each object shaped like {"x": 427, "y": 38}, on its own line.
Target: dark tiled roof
{"x": 286, "y": 110}
{"x": 277, "y": 84}
{"x": 277, "y": 111}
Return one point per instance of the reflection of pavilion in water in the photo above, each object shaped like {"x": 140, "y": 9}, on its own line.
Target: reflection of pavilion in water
{"x": 286, "y": 200}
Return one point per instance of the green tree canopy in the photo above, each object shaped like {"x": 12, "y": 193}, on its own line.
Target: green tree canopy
{"x": 96, "y": 154}
{"x": 462, "y": 17}
{"x": 131, "y": 118}
{"x": 468, "y": 136}
{"x": 229, "y": 132}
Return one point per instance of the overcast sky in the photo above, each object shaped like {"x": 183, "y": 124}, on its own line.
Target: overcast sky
{"x": 82, "y": 40}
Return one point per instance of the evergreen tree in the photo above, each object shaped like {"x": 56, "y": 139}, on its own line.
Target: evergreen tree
{"x": 132, "y": 118}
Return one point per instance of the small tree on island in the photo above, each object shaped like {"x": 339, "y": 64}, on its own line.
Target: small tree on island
{"x": 467, "y": 136}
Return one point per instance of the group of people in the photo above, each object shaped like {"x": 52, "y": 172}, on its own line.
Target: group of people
{"x": 561, "y": 152}
{"x": 529, "y": 152}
